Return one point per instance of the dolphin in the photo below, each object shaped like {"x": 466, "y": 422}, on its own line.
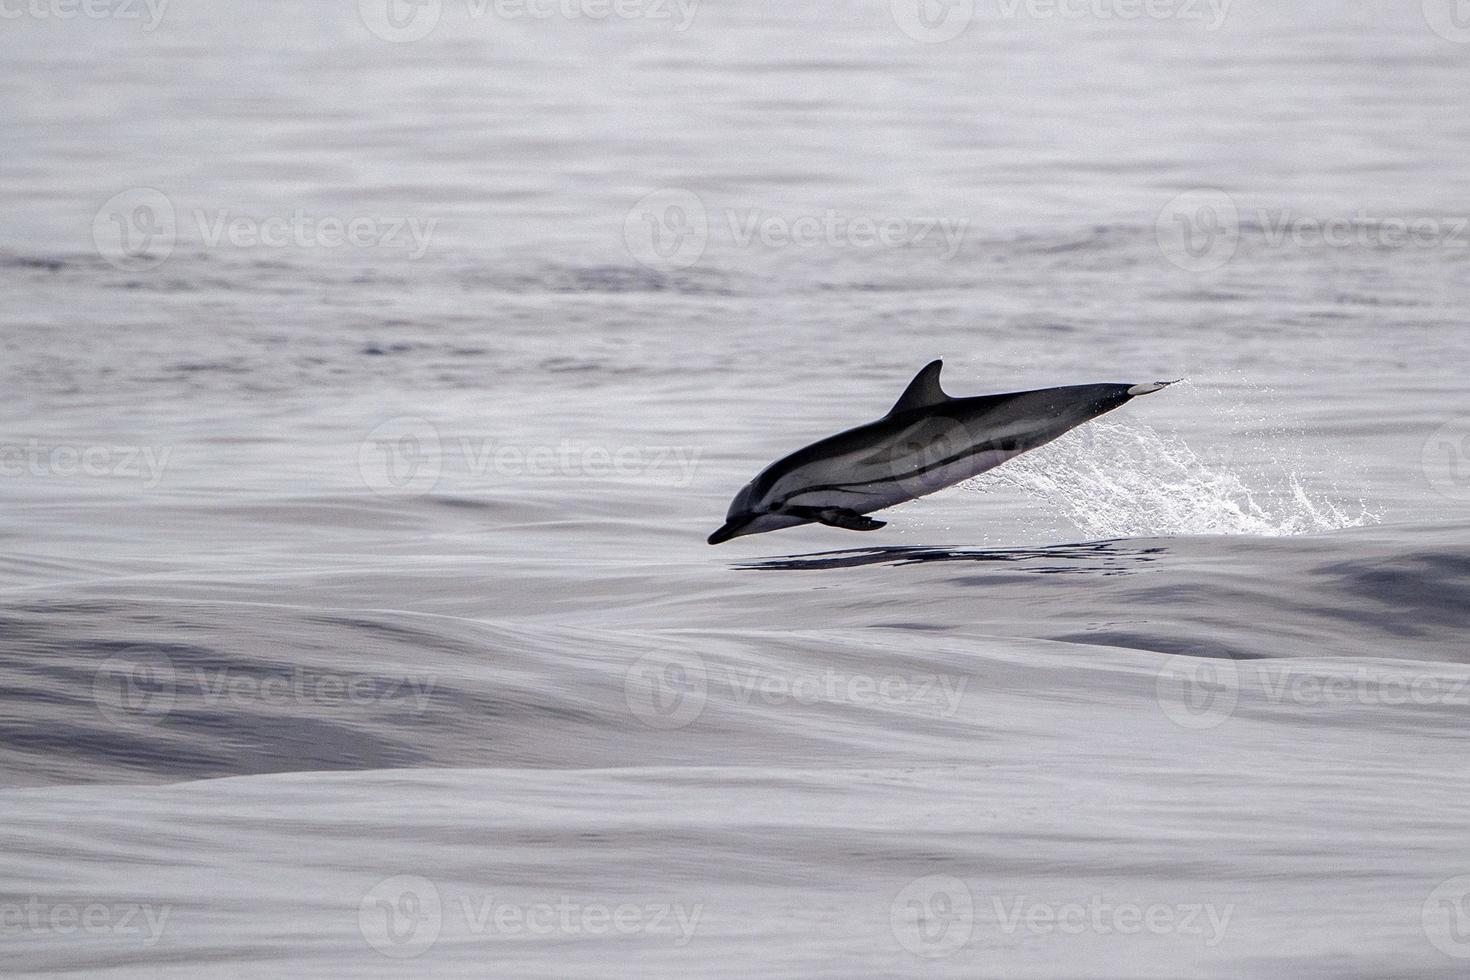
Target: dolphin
{"x": 927, "y": 442}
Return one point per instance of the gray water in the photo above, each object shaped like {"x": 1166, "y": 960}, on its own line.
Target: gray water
{"x": 355, "y": 612}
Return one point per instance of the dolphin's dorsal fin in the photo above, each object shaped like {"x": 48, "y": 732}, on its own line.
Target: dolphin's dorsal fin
{"x": 923, "y": 391}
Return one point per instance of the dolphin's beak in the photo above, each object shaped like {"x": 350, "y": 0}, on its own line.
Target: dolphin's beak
{"x": 730, "y": 529}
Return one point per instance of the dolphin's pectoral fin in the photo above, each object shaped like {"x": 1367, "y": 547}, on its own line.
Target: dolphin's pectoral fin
{"x": 841, "y": 517}
{"x": 849, "y": 519}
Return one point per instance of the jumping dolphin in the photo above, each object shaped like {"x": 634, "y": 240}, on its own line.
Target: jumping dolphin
{"x": 929, "y": 441}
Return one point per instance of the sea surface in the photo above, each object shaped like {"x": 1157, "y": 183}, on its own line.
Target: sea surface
{"x": 373, "y": 376}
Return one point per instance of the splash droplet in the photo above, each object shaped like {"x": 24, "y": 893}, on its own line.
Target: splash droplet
{"x": 1115, "y": 480}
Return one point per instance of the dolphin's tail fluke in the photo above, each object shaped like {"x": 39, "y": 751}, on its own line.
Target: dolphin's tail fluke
{"x": 1151, "y": 387}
